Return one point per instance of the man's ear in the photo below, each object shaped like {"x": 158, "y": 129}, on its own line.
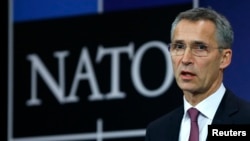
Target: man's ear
{"x": 226, "y": 58}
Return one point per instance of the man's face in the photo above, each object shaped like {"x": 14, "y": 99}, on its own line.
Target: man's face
{"x": 194, "y": 74}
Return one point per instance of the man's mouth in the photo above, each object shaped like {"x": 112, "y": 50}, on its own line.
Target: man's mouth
{"x": 186, "y": 75}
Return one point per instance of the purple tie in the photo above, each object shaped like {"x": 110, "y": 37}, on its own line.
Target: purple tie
{"x": 194, "y": 131}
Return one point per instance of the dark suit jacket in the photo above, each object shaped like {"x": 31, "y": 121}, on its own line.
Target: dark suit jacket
{"x": 232, "y": 110}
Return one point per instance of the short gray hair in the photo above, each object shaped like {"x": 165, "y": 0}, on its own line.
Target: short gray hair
{"x": 224, "y": 32}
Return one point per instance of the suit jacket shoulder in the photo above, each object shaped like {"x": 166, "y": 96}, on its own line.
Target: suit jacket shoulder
{"x": 232, "y": 110}
{"x": 166, "y": 127}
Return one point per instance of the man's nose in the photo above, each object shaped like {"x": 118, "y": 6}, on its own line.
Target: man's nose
{"x": 187, "y": 56}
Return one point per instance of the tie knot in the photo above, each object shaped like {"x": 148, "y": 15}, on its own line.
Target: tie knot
{"x": 193, "y": 114}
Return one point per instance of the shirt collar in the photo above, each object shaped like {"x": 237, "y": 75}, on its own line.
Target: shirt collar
{"x": 208, "y": 106}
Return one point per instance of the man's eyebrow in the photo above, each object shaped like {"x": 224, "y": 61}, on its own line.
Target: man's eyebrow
{"x": 193, "y": 42}
{"x": 198, "y": 42}
{"x": 179, "y": 41}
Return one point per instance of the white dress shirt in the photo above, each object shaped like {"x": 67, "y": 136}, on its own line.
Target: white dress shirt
{"x": 207, "y": 108}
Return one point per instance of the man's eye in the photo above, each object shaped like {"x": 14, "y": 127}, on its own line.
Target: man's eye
{"x": 200, "y": 47}
{"x": 179, "y": 46}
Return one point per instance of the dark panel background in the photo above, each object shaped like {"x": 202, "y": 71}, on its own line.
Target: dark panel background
{"x": 72, "y": 34}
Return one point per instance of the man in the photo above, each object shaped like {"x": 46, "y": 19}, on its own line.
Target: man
{"x": 201, "y": 41}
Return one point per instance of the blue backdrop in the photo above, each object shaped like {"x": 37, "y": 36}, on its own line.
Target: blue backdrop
{"x": 238, "y": 13}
